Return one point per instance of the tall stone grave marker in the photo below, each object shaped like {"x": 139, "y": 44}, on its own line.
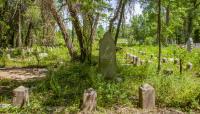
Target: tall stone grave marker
{"x": 190, "y": 44}
{"x": 107, "y": 56}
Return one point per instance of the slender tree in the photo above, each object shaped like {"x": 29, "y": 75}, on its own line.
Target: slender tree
{"x": 159, "y": 35}
{"x": 68, "y": 42}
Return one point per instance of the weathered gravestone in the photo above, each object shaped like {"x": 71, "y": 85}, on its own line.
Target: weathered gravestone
{"x": 168, "y": 72}
{"x": 189, "y": 66}
{"x": 107, "y": 56}
{"x": 89, "y": 101}
{"x": 146, "y": 96}
{"x": 176, "y": 61}
{"x": 21, "y": 96}
{"x": 189, "y": 44}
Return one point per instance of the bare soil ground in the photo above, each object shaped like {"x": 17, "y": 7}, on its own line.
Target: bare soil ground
{"x": 22, "y": 73}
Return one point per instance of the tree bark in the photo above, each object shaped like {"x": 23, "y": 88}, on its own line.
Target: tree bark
{"x": 77, "y": 27}
{"x": 19, "y": 39}
{"x": 28, "y": 38}
{"x": 115, "y": 15}
{"x": 120, "y": 21}
{"x": 94, "y": 28}
{"x": 159, "y": 35}
{"x": 60, "y": 23}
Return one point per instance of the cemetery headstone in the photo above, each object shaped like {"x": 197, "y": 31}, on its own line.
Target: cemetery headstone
{"x": 43, "y": 55}
{"x": 171, "y": 59}
{"x": 189, "y": 44}
{"x": 137, "y": 61}
{"x": 164, "y": 60}
{"x": 146, "y": 96}
{"x": 21, "y": 96}
{"x": 176, "y": 61}
{"x": 133, "y": 59}
{"x": 168, "y": 71}
{"x": 89, "y": 100}
{"x": 189, "y": 66}
{"x": 107, "y": 56}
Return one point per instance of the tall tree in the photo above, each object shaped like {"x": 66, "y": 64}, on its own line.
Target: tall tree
{"x": 120, "y": 20}
{"x": 159, "y": 34}
{"x": 68, "y": 42}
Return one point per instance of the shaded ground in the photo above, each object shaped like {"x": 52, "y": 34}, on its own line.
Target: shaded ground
{"x": 22, "y": 73}
{"x": 126, "y": 110}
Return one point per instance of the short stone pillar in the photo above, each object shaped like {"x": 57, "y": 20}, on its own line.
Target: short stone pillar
{"x": 164, "y": 60}
{"x": 189, "y": 44}
{"x": 89, "y": 101}
{"x": 176, "y": 61}
{"x": 168, "y": 71}
{"x": 189, "y": 66}
{"x": 21, "y": 96}
{"x": 146, "y": 96}
{"x": 137, "y": 61}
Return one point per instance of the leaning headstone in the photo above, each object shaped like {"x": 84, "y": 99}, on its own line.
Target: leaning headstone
{"x": 107, "y": 56}
{"x": 146, "y": 96}
{"x": 189, "y": 44}
{"x": 89, "y": 101}
{"x": 21, "y": 96}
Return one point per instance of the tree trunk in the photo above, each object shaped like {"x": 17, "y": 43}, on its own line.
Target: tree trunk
{"x": 73, "y": 35}
{"x": 120, "y": 21}
{"x": 115, "y": 15}
{"x": 167, "y": 21}
{"x": 77, "y": 27}
{"x": 19, "y": 39}
{"x": 28, "y": 38}
{"x": 181, "y": 65}
{"x": 94, "y": 28}
{"x": 159, "y": 36}
{"x": 190, "y": 24}
{"x": 68, "y": 42}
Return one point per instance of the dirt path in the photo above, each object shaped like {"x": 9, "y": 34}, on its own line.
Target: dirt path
{"x": 22, "y": 73}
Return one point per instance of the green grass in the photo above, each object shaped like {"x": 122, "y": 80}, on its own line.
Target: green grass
{"x": 65, "y": 84}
